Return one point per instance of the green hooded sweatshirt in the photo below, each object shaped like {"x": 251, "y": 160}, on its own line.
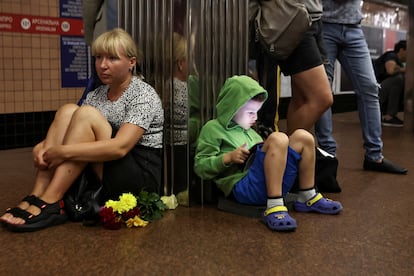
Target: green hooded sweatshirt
{"x": 222, "y": 135}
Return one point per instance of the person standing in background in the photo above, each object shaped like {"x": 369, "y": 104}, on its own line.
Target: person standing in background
{"x": 344, "y": 40}
{"x": 311, "y": 93}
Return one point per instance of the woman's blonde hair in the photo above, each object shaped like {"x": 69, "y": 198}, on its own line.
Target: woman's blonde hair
{"x": 180, "y": 47}
{"x": 116, "y": 40}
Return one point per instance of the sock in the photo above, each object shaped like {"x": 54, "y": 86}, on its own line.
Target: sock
{"x": 305, "y": 195}
{"x": 274, "y": 201}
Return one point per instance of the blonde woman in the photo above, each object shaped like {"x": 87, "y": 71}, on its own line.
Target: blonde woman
{"x": 117, "y": 130}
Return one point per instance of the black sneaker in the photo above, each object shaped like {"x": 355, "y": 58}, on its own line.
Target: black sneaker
{"x": 393, "y": 122}
{"x": 385, "y": 166}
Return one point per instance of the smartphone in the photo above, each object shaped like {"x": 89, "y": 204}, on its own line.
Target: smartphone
{"x": 251, "y": 157}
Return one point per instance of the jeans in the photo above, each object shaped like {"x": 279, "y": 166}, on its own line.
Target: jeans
{"x": 347, "y": 44}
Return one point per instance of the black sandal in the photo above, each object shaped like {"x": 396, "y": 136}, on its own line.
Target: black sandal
{"x": 17, "y": 211}
{"x": 50, "y": 214}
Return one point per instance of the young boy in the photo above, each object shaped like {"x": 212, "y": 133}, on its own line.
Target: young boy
{"x": 223, "y": 146}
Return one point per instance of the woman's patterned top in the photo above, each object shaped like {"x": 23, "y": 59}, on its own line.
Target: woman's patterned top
{"x": 139, "y": 104}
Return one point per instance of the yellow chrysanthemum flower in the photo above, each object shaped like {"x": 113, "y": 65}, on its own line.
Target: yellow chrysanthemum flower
{"x": 126, "y": 202}
{"x": 136, "y": 222}
{"x": 113, "y": 204}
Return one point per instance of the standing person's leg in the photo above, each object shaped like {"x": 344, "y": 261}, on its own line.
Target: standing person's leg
{"x": 356, "y": 61}
{"x": 311, "y": 96}
{"x": 324, "y": 126}
{"x": 267, "y": 73}
{"x": 311, "y": 92}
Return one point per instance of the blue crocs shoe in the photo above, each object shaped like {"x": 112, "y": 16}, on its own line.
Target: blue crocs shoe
{"x": 278, "y": 219}
{"x": 318, "y": 204}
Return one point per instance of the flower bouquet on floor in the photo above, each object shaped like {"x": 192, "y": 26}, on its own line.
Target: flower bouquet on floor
{"x": 131, "y": 210}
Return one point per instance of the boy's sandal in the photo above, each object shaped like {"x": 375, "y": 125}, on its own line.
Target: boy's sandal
{"x": 318, "y": 204}
{"x": 278, "y": 219}
{"x": 50, "y": 214}
{"x": 17, "y": 211}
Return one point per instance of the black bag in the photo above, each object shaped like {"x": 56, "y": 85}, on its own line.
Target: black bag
{"x": 83, "y": 200}
{"x": 326, "y": 167}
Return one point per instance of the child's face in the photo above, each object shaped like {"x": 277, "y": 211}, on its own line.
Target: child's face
{"x": 246, "y": 116}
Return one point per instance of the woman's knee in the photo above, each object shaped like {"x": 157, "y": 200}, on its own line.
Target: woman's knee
{"x": 66, "y": 111}
{"x": 87, "y": 113}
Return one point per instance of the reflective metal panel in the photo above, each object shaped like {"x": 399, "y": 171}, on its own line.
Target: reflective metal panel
{"x": 215, "y": 32}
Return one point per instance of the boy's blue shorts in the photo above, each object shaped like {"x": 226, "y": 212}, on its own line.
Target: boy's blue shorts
{"x": 251, "y": 189}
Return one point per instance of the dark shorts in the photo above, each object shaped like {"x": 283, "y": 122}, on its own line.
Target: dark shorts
{"x": 251, "y": 189}
{"x": 308, "y": 54}
{"x": 140, "y": 169}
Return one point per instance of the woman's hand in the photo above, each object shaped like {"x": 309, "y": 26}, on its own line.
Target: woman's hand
{"x": 38, "y": 160}
{"x": 53, "y": 156}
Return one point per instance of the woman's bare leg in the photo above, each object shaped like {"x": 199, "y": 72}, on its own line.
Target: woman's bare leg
{"x": 55, "y": 135}
{"x": 87, "y": 125}
{"x": 311, "y": 97}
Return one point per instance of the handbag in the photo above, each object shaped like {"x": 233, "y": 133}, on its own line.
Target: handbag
{"x": 84, "y": 198}
{"x": 326, "y": 168}
{"x": 279, "y": 25}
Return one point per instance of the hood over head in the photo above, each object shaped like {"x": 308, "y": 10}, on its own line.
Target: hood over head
{"x": 235, "y": 92}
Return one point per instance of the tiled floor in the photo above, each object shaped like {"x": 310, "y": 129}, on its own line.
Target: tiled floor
{"x": 374, "y": 235}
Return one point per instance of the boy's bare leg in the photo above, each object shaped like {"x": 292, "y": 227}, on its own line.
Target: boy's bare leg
{"x": 309, "y": 200}
{"x": 275, "y": 146}
{"x": 303, "y": 143}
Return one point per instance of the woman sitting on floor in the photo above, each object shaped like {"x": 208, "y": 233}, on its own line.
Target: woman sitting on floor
{"x": 117, "y": 130}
